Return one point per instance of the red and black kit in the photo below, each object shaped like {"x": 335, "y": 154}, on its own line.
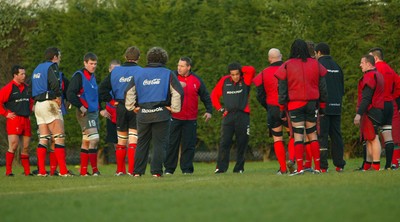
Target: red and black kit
{"x": 236, "y": 119}
{"x": 370, "y": 103}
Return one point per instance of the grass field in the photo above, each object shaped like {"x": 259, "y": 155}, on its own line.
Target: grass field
{"x": 256, "y": 195}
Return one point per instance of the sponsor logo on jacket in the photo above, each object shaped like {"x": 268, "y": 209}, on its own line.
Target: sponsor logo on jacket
{"x": 22, "y": 100}
{"x": 125, "y": 79}
{"x": 36, "y": 75}
{"x": 158, "y": 109}
{"x": 333, "y": 70}
{"x": 235, "y": 92}
{"x": 148, "y": 82}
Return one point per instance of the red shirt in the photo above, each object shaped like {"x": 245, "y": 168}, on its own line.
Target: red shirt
{"x": 270, "y": 82}
{"x": 193, "y": 88}
{"x": 302, "y": 79}
{"x": 389, "y": 75}
{"x": 374, "y": 80}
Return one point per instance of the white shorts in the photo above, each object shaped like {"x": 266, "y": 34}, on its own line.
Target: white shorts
{"x": 47, "y": 111}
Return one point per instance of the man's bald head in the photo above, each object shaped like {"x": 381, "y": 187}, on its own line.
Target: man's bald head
{"x": 274, "y": 55}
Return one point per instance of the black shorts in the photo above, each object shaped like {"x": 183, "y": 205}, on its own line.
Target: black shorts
{"x": 274, "y": 117}
{"x": 125, "y": 119}
{"x": 306, "y": 113}
{"x": 387, "y": 114}
{"x": 376, "y": 115}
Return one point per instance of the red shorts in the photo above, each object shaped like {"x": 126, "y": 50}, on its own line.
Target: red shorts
{"x": 367, "y": 128}
{"x": 20, "y": 125}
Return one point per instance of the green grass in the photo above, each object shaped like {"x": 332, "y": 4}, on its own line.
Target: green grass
{"x": 256, "y": 195}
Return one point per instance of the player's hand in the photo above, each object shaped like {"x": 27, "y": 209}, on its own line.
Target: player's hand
{"x": 357, "y": 120}
{"x": 11, "y": 115}
{"x": 136, "y": 110}
{"x": 223, "y": 111}
{"x": 169, "y": 108}
{"x": 207, "y": 116}
{"x": 83, "y": 110}
{"x": 105, "y": 113}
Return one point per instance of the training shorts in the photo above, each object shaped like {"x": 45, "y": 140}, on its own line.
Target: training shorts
{"x": 306, "y": 113}
{"x": 19, "y": 125}
{"x": 125, "y": 119}
{"x": 369, "y": 128}
{"x": 47, "y": 111}
{"x": 88, "y": 121}
{"x": 274, "y": 117}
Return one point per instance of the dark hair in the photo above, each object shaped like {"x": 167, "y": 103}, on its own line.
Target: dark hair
{"x": 235, "y": 66}
{"x": 157, "y": 55}
{"x": 310, "y": 47}
{"x": 15, "y": 69}
{"x": 187, "y": 60}
{"x": 369, "y": 58}
{"x": 299, "y": 50}
{"x": 51, "y": 52}
{"x": 323, "y": 48}
{"x": 132, "y": 53}
{"x": 90, "y": 56}
{"x": 115, "y": 62}
{"x": 377, "y": 52}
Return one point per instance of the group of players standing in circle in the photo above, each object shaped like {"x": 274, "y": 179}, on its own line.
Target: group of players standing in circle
{"x": 153, "y": 105}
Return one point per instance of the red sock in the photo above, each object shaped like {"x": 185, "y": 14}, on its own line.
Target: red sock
{"x": 41, "y": 152}
{"x": 131, "y": 157}
{"x": 280, "y": 153}
{"x": 396, "y": 156}
{"x": 53, "y": 162}
{"x": 60, "y": 155}
{"x": 93, "y": 159}
{"x": 9, "y": 161}
{"x": 120, "y": 153}
{"x": 25, "y": 163}
{"x": 308, "y": 155}
{"x": 315, "y": 152}
{"x": 299, "y": 149}
{"x": 84, "y": 161}
{"x": 367, "y": 165}
{"x": 291, "y": 149}
{"x": 376, "y": 165}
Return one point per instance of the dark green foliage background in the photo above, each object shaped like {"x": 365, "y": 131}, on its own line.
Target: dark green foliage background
{"x": 213, "y": 33}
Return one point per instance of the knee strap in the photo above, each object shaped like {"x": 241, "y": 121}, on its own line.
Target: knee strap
{"x": 122, "y": 137}
{"x": 386, "y": 128}
{"x": 46, "y": 137}
{"x": 298, "y": 129}
{"x": 59, "y": 136}
{"x": 43, "y": 138}
{"x": 311, "y": 130}
{"x": 93, "y": 136}
{"x": 274, "y": 133}
{"x": 132, "y": 134}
